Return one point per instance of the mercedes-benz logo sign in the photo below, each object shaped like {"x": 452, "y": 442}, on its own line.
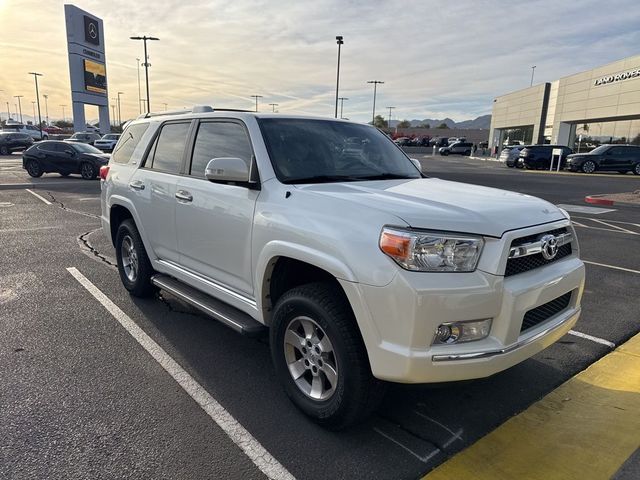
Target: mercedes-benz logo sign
{"x": 93, "y": 30}
{"x": 549, "y": 244}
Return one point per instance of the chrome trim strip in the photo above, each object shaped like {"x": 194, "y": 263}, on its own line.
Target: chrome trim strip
{"x": 532, "y": 248}
{"x": 211, "y": 283}
{"x": 503, "y": 351}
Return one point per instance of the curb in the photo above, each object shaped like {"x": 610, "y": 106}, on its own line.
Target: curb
{"x": 597, "y": 200}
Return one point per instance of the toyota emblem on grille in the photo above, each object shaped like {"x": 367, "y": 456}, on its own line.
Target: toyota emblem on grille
{"x": 549, "y": 245}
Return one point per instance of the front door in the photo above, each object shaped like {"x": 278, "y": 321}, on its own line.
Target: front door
{"x": 214, "y": 220}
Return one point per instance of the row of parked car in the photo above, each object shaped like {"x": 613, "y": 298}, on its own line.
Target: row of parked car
{"x": 11, "y": 141}
{"x": 617, "y": 158}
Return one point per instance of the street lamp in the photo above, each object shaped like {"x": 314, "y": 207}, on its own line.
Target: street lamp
{"x": 19, "y": 105}
{"x": 46, "y": 107}
{"x": 165, "y": 106}
{"x": 33, "y": 104}
{"x": 533, "y": 69}
{"x": 256, "y": 97}
{"x": 146, "y": 65}
{"x": 113, "y": 109}
{"x": 139, "y": 94}
{"x": 273, "y": 107}
{"x": 340, "y": 43}
{"x": 119, "y": 116}
{"x": 64, "y": 119}
{"x": 35, "y": 76}
{"x": 389, "y": 122}
{"x": 375, "y": 85}
{"x": 342, "y": 99}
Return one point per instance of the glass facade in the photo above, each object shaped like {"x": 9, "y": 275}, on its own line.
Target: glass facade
{"x": 518, "y": 135}
{"x": 598, "y": 133}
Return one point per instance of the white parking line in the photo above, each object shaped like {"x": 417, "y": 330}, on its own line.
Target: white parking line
{"x": 38, "y": 196}
{"x": 614, "y": 226}
{"x": 422, "y": 458}
{"x": 611, "y": 266}
{"x": 236, "y": 432}
{"x": 592, "y": 338}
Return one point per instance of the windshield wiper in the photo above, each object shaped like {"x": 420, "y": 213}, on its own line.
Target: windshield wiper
{"x": 323, "y": 179}
{"x": 388, "y": 176}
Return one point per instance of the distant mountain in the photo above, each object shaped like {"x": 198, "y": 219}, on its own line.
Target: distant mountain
{"x": 483, "y": 122}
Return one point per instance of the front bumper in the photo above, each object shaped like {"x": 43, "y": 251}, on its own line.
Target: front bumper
{"x": 406, "y": 313}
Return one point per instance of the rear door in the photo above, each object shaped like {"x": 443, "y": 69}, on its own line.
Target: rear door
{"x": 214, "y": 220}
{"x": 153, "y": 188}
{"x": 614, "y": 159}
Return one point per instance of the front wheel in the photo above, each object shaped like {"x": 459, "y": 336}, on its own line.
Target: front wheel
{"x": 34, "y": 169}
{"x": 467, "y": 153}
{"x": 588, "y": 167}
{"x": 133, "y": 263}
{"x": 320, "y": 358}
{"x": 88, "y": 171}
{"x": 444, "y": 154}
{"x": 636, "y": 169}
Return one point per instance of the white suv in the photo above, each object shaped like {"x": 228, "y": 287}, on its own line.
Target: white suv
{"x": 31, "y": 130}
{"x": 326, "y": 234}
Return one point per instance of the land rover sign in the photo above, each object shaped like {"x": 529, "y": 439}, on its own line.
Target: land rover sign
{"x": 618, "y": 77}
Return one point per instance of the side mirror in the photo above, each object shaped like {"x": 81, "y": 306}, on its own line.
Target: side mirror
{"x": 416, "y": 162}
{"x": 227, "y": 169}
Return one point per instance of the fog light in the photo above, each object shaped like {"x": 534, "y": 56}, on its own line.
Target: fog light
{"x": 460, "y": 332}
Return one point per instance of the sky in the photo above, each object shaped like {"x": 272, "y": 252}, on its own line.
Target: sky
{"x": 438, "y": 59}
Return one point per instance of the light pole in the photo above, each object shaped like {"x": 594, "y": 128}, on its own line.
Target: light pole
{"x": 256, "y": 97}
{"x": 139, "y": 94}
{"x": 340, "y": 42}
{"x": 33, "y": 104}
{"x": 35, "y": 76}
{"x": 64, "y": 119}
{"x": 273, "y": 107}
{"x": 146, "y": 65}
{"x": 389, "y": 122}
{"x": 533, "y": 69}
{"x": 342, "y": 99}
{"x": 46, "y": 107}
{"x": 19, "y": 105}
{"x": 119, "y": 111}
{"x": 113, "y": 109}
{"x": 165, "y": 106}
{"x": 375, "y": 85}
{"x": 8, "y": 111}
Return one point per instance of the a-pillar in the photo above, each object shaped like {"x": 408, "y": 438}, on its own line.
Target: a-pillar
{"x": 103, "y": 115}
{"x": 79, "y": 123}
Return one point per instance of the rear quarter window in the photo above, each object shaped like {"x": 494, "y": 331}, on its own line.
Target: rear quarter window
{"x": 128, "y": 142}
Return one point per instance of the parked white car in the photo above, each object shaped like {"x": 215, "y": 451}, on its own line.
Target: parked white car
{"x": 107, "y": 142}
{"x": 510, "y": 155}
{"x": 326, "y": 235}
{"x": 31, "y": 130}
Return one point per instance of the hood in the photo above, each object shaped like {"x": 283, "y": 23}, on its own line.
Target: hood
{"x": 431, "y": 203}
{"x": 103, "y": 157}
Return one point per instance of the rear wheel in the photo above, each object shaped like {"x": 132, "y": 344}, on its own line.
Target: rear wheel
{"x": 467, "y": 153}
{"x": 133, "y": 263}
{"x": 444, "y": 154}
{"x": 34, "y": 169}
{"x": 320, "y": 358}
{"x": 636, "y": 169}
{"x": 4, "y": 150}
{"x": 588, "y": 167}
{"x": 88, "y": 171}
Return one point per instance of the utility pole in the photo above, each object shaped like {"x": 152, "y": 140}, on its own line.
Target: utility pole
{"x": 35, "y": 76}
{"x": 375, "y": 85}
{"x": 342, "y": 99}
{"x": 46, "y": 107}
{"x": 256, "y": 97}
{"x": 389, "y": 122}
{"x": 139, "y": 94}
{"x": 533, "y": 69}
{"x": 146, "y": 65}
{"x": 19, "y": 105}
{"x": 340, "y": 42}
{"x": 273, "y": 107}
{"x": 119, "y": 111}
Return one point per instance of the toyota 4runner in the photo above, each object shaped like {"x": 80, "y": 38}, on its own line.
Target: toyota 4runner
{"x": 324, "y": 234}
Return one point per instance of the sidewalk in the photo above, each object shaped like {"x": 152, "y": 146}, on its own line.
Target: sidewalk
{"x": 585, "y": 429}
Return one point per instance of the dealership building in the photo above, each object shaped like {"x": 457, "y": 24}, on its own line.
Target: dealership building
{"x": 586, "y": 109}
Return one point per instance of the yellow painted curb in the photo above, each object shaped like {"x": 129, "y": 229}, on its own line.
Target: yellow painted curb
{"x": 585, "y": 429}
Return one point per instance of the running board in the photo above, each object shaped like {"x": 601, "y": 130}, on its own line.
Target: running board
{"x": 224, "y": 313}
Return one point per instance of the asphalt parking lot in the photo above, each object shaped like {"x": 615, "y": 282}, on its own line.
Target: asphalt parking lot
{"x": 81, "y": 398}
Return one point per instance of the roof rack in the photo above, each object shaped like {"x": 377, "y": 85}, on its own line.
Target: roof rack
{"x": 195, "y": 109}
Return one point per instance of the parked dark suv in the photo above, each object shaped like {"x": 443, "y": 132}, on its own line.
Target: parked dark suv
{"x": 539, "y": 156}
{"x": 13, "y": 142}
{"x": 619, "y": 158}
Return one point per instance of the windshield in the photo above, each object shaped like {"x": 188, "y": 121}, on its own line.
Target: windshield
{"x": 85, "y": 148}
{"x": 314, "y": 151}
{"x": 600, "y": 149}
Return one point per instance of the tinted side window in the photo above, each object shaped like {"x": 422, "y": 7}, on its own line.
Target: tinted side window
{"x": 128, "y": 143}
{"x": 219, "y": 139}
{"x": 167, "y": 156}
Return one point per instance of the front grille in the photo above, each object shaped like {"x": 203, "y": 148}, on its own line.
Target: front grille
{"x": 530, "y": 262}
{"x": 544, "y": 312}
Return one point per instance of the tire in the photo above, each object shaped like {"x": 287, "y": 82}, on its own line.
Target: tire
{"x": 322, "y": 311}
{"x": 34, "y": 169}
{"x": 4, "y": 150}
{"x": 134, "y": 266}
{"x": 444, "y": 154}
{"x": 88, "y": 171}
{"x": 588, "y": 167}
{"x": 467, "y": 153}
{"x": 636, "y": 169}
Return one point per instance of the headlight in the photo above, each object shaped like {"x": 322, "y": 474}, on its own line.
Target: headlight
{"x": 431, "y": 251}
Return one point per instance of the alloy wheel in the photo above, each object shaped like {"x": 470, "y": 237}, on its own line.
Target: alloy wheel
{"x": 129, "y": 258}
{"x": 588, "y": 167}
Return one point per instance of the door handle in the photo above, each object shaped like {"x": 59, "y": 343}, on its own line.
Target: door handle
{"x": 137, "y": 185}
{"x": 184, "y": 196}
